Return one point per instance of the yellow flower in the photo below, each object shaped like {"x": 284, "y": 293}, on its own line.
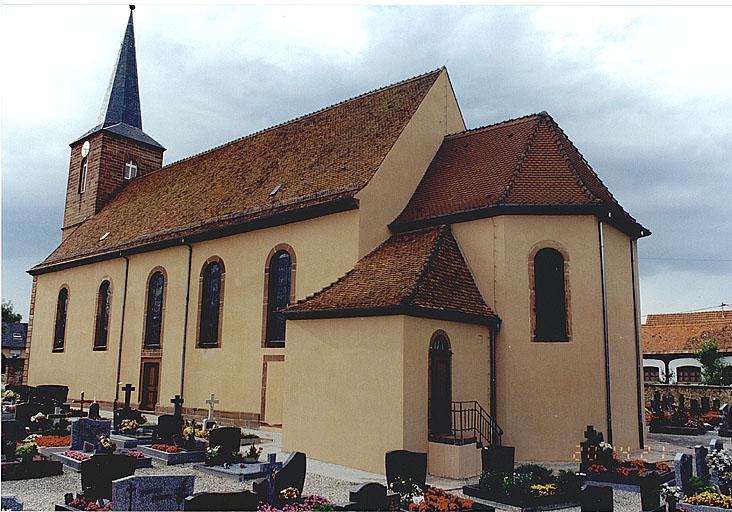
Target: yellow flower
{"x": 544, "y": 489}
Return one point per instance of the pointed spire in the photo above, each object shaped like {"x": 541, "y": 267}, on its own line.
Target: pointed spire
{"x": 121, "y": 112}
{"x": 122, "y": 101}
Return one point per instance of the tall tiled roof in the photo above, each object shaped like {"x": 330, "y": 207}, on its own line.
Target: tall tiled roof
{"x": 14, "y": 335}
{"x": 524, "y": 162}
{"x": 682, "y": 332}
{"x": 421, "y": 273}
{"x": 316, "y": 159}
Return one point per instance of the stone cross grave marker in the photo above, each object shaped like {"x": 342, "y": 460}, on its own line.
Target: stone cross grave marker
{"x": 683, "y": 469}
{"x": 590, "y": 447}
{"x": 88, "y": 430}
{"x": 177, "y": 405}
{"x": 128, "y": 389}
{"x": 151, "y": 492}
{"x": 81, "y": 403}
{"x": 211, "y": 402}
{"x": 700, "y": 461}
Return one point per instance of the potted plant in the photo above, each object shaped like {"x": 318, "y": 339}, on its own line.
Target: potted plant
{"x": 252, "y": 454}
{"x": 26, "y": 452}
{"x": 212, "y": 455}
{"x": 105, "y": 445}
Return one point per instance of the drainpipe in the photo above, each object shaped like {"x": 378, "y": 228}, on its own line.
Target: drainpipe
{"x": 636, "y": 316}
{"x": 185, "y": 318}
{"x": 121, "y": 330}
{"x": 494, "y": 379}
{"x": 605, "y": 335}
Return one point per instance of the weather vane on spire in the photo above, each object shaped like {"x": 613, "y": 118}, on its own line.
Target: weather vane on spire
{"x": 132, "y": 7}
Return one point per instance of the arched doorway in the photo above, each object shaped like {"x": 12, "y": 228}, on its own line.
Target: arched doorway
{"x": 440, "y": 385}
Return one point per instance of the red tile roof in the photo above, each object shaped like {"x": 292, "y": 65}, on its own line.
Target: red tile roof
{"x": 682, "y": 332}
{"x": 523, "y": 162}
{"x": 420, "y": 273}
{"x": 316, "y": 159}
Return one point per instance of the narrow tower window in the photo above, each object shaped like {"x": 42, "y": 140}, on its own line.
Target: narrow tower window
{"x": 210, "y": 315}
{"x": 101, "y": 333}
{"x": 130, "y": 169}
{"x": 82, "y": 176}
{"x": 153, "y": 321}
{"x": 62, "y": 306}
{"x": 551, "y": 303}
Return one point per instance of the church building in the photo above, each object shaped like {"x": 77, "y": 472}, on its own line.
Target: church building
{"x": 368, "y": 277}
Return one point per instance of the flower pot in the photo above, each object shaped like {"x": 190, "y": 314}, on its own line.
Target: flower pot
{"x": 250, "y": 460}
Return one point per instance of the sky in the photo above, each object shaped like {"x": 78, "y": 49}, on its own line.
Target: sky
{"x": 645, "y": 93}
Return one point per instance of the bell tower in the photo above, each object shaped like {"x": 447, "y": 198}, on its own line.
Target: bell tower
{"x": 116, "y": 150}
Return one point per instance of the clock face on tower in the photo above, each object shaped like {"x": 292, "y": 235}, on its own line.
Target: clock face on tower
{"x": 85, "y": 149}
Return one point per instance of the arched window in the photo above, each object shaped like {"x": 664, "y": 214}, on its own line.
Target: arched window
{"x": 550, "y": 304}
{"x": 59, "y": 332}
{"x": 101, "y": 333}
{"x": 82, "y": 175}
{"x": 210, "y": 316}
{"x": 154, "y": 310}
{"x": 130, "y": 169}
{"x": 278, "y": 296}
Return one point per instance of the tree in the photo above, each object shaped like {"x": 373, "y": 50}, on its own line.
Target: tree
{"x": 8, "y": 314}
{"x": 714, "y": 369}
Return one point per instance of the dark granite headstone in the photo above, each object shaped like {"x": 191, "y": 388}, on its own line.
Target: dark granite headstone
{"x": 409, "y": 466}
{"x": 368, "y": 496}
{"x": 9, "y": 438}
{"x": 292, "y": 474}
{"x": 716, "y": 404}
{"x": 88, "y": 430}
{"x": 23, "y": 391}
{"x": 596, "y": 499}
{"x": 684, "y": 470}
{"x": 715, "y": 445}
{"x": 98, "y": 472}
{"x": 214, "y": 501}
{"x": 50, "y": 395}
{"x": 151, "y": 492}
{"x": 11, "y": 503}
{"x": 498, "y": 459}
{"x": 227, "y": 439}
{"x": 650, "y": 491}
{"x": 705, "y": 404}
{"x": 694, "y": 407}
{"x": 94, "y": 411}
{"x": 590, "y": 451}
{"x": 700, "y": 462}
{"x": 682, "y": 402}
{"x": 170, "y": 429}
{"x": 23, "y": 414}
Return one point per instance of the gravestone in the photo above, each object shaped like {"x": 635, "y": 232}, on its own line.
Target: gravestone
{"x": 705, "y": 405}
{"x": 700, "y": 461}
{"x": 170, "y": 429}
{"x": 368, "y": 496}
{"x": 11, "y": 503}
{"x": 215, "y": 501}
{"x": 99, "y": 471}
{"x": 410, "y": 466}
{"x": 9, "y": 438}
{"x": 716, "y": 404}
{"x": 23, "y": 391}
{"x": 650, "y": 492}
{"x": 88, "y": 430}
{"x": 292, "y": 474}
{"x": 94, "y": 411}
{"x": 127, "y": 412}
{"x": 596, "y": 499}
{"x": 682, "y": 402}
{"x": 177, "y": 405}
{"x": 50, "y": 395}
{"x": 656, "y": 402}
{"x": 209, "y": 422}
{"x": 498, "y": 459}
{"x": 23, "y": 414}
{"x": 715, "y": 445}
{"x": 695, "y": 408}
{"x": 228, "y": 441}
{"x": 683, "y": 470}
{"x": 151, "y": 492}
{"x": 725, "y": 425}
{"x": 590, "y": 450}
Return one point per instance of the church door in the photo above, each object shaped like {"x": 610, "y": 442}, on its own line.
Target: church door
{"x": 440, "y": 386}
{"x": 150, "y": 376}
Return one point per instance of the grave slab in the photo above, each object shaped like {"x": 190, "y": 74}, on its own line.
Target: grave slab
{"x": 151, "y": 492}
{"x": 237, "y": 472}
{"x": 181, "y": 457}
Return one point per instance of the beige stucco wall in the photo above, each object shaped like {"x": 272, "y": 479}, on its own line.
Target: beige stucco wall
{"x": 237, "y": 363}
{"x": 78, "y": 366}
{"x": 343, "y": 395}
{"x": 555, "y": 389}
{"x": 389, "y": 190}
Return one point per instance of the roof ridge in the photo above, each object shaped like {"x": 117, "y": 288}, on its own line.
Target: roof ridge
{"x": 300, "y": 118}
{"x": 521, "y": 161}
{"x": 479, "y": 129}
{"x": 427, "y": 265}
{"x": 564, "y": 135}
{"x": 553, "y": 127}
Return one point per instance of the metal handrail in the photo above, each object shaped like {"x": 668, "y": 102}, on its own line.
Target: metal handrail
{"x": 471, "y": 421}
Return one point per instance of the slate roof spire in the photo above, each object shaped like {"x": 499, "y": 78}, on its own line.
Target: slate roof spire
{"x": 122, "y": 102}
{"x": 121, "y": 112}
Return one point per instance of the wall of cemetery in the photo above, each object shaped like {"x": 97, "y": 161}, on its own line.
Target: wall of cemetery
{"x": 498, "y": 252}
{"x": 690, "y": 391}
{"x": 389, "y": 190}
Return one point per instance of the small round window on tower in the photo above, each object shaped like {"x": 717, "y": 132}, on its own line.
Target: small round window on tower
{"x": 130, "y": 169}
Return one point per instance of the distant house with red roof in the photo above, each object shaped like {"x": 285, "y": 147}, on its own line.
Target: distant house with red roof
{"x": 368, "y": 277}
{"x": 669, "y": 341}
